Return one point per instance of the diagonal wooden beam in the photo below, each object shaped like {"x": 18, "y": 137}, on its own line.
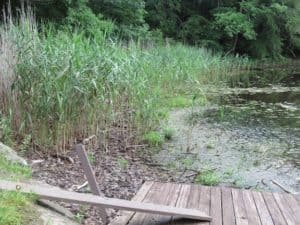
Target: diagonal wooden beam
{"x": 55, "y": 193}
{"x": 90, "y": 176}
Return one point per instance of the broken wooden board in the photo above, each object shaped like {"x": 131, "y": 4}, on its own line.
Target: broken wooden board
{"x": 55, "y": 193}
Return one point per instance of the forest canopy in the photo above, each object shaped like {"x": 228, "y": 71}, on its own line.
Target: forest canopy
{"x": 256, "y": 28}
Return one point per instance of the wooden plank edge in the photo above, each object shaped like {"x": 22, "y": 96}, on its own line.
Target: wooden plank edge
{"x": 125, "y": 216}
{"x": 73, "y": 197}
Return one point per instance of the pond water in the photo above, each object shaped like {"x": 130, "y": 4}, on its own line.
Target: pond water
{"x": 248, "y": 134}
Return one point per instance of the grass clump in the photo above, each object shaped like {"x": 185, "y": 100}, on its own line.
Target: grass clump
{"x": 13, "y": 171}
{"x": 168, "y": 133}
{"x": 153, "y": 139}
{"x": 208, "y": 177}
{"x": 179, "y": 102}
{"x": 16, "y": 208}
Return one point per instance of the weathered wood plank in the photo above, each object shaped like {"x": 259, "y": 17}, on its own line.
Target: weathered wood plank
{"x": 216, "y": 206}
{"x": 125, "y": 216}
{"x": 158, "y": 194}
{"x": 294, "y": 206}
{"x": 182, "y": 202}
{"x": 171, "y": 198}
{"x": 67, "y": 196}
{"x": 262, "y": 209}
{"x": 155, "y": 190}
{"x": 251, "y": 209}
{"x": 204, "y": 203}
{"x": 227, "y": 207}
{"x": 90, "y": 176}
{"x": 285, "y": 209}
{"x": 274, "y": 210}
{"x": 239, "y": 207}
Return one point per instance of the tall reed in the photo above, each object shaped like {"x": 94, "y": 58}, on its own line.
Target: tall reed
{"x": 58, "y": 86}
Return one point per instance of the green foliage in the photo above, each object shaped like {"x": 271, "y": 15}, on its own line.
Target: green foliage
{"x": 153, "y": 138}
{"x": 207, "y": 177}
{"x": 70, "y": 84}
{"x": 258, "y": 28}
{"x": 179, "y": 102}
{"x": 234, "y": 23}
{"x": 168, "y": 133}
{"x": 6, "y": 135}
{"x": 16, "y": 209}
{"x": 83, "y": 19}
{"x": 13, "y": 170}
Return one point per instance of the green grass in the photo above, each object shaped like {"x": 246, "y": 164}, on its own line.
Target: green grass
{"x": 13, "y": 171}
{"x": 208, "y": 177}
{"x": 168, "y": 133}
{"x": 15, "y": 208}
{"x": 153, "y": 139}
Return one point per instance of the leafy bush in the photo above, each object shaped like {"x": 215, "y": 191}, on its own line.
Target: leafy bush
{"x": 153, "y": 138}
{"x": 208, "y": 177}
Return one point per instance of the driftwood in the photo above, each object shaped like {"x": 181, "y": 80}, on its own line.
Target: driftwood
{"x": 284, "y": 188}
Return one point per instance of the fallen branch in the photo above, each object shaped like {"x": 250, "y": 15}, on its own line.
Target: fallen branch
{"x": 86, "y": 140}
{"x": 79, "y": 187}
{"x": 283, "y": 188}
{"x": 63, "y": 157}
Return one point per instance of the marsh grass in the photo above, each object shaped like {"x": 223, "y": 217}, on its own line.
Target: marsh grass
{"x": 15, "y": 208}
{"x": 57, "y": 86}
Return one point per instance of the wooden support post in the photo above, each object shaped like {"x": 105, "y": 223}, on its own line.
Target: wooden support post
{"x": 89, "y": 173}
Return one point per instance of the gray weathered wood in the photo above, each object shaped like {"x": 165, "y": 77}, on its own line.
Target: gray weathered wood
{"x": 168, "y": 197}
{"x": 73, "y": 197}
{"x": 294, "y": 206}
{"x": 89, "y": 173}
{"x": 251, "y": 209}
{"x": 216, "y": 206}
{"x": 274, "y": 210}
{"x": 125, "y": 216}
{"x": 87, "y": 168}
{"x": 204, "y": 202}
{"x": 262, "y": 209}
{"x": 227, "y": 207}
{"x": 239, "y": 208}
{"x": 285, "y": 209}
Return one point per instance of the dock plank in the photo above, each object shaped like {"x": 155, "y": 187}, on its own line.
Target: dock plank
{"x": 274, "y": 210}
{"x": 125, "y": 216}
{"x": 182, "y": 202}
{"x": 294, "y": 206}
{"x": 216, "y": 206}
{"x": 285, "y": 209}
{"x": 251, "y": 209}
{"x": 204, "y": 202}
{"x": 171, "y": 198}
{"x": 154, "y": 196}
{"x": 264, "y": 214}
{"x": 227, "y": 207}
{"x": 239, "y": 208}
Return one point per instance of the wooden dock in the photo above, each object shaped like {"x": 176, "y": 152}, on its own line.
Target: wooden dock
{"x": 226, "y": 206}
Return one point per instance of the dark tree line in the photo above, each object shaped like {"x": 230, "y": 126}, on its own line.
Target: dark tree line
{"x": 258, "y": 28}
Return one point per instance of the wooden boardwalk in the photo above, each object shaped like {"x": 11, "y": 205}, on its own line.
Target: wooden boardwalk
{"x": 226, "y": 206}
